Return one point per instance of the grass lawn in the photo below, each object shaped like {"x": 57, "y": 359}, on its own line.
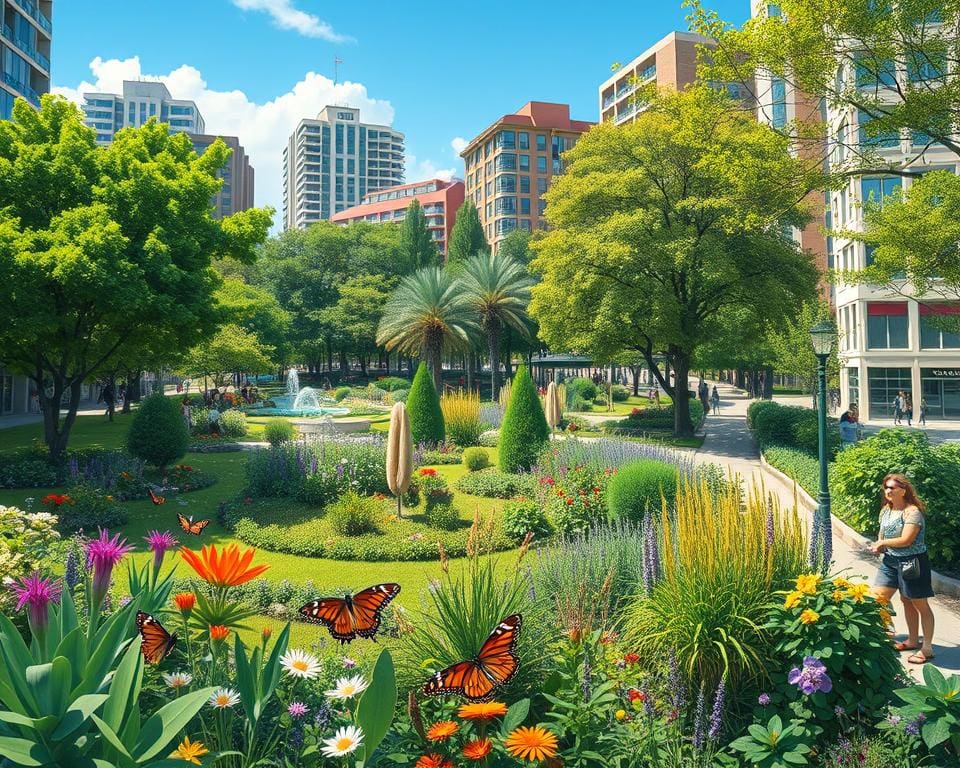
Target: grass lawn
{"x": 623, "y": 409}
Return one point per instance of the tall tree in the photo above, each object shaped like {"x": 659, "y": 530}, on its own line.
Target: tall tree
{"x": 102, "y": 247}
{"x": 230, "y": 350}
{"x": 428, "y": 315}
{"x": 419, "y": 249}
{"x": 497, "y": 288}
{"x": 516, "y": 246}
{"x": 466, "y": 238}
{"x": 357, "y": 312}
{"x": 656, "y": 226}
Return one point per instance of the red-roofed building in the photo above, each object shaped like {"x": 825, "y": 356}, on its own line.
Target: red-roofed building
{"x": 440, "y": 200}
{"x": 510, "y": 164}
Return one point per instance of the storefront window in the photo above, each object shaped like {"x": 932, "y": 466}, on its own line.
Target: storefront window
{"x": 941, "y": 390}
{"x": 883, "y": 385}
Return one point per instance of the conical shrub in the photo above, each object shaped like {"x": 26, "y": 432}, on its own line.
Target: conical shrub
{"x": 423, "y": 408}
{"x": 524, "y": 431}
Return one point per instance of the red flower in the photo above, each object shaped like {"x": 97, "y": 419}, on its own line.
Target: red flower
{"x": 634, "y": 695}
{"x": 569, "y": 502}
{"x": 428, "y": 472}
{"x": 56, "y": 499}
{"x": 596, "y": 490}
{"x": 632, "y": 658}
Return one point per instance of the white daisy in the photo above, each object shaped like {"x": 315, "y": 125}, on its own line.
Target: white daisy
{"x": 348, "y": 687}
{"x": 343, "y": 742}
{"x": 223, "y": 698}
{"x": 178, "y": 679}
{"x": 299, "y": 663}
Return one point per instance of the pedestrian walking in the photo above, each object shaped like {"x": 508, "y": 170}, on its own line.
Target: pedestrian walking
{"x": 923, "y": 412}
{"x": 107, "y": 395}
{"x": 908, "y": 408}
{"x": 715, "y": 399}
{"x": 897, "y": 406}
{"x": 185, "y": 411}
{"x": 905, "y": 564}
{"x": 849, "y": 427}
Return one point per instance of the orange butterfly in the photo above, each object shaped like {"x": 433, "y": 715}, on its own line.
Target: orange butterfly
{"x": 154, "y": 498}
{"x": 352, "y": 616}
{"x": 157, "y": 642}
{"x": 478, "y": 678}
{"x": 188, "y": 526}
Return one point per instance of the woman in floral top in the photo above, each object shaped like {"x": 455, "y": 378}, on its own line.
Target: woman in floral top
{"x": 902, "y": 528}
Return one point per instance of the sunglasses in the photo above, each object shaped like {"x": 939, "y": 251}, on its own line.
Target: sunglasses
{"x": 891, "y": 487}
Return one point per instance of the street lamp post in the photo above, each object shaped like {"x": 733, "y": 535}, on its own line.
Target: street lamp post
{"x": 821, "y": 540}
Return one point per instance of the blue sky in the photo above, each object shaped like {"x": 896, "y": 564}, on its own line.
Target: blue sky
{"x": 439, "y": 72}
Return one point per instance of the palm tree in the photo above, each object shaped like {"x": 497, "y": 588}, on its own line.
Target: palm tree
{"x": 427, "y": 315}
{"x": 498, "y": 290}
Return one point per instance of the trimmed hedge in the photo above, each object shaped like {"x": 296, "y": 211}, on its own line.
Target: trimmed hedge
{"x": 639, "y": 487}
{"x": 278, "y": 431}
{"x": 475, "y": 459}
{"x": 792, "y": 426}
{"x": 644, "y": 420}
{"x": 157, "y": 434}
{"x": 494, "y": 484}
{"x": 796, "y": 464}
{"x": 393, "y": 383}
{"x": 524, "y": 432}
{"x": 423, "y": 408}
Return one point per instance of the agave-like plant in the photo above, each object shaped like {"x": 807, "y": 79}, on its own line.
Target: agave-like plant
{"x": 497, "y": 288}
{"x": 427, "y": 315}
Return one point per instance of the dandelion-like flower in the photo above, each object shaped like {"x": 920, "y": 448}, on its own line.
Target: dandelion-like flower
{"x": 223, "y": 568}
{"x": 222, "y": 698}
{"x": 297, "y": 709}
{"x": 343, "y": 742}
{"x": 477, "y": 749}
{"x": 442, "y": 731}
{"x": 534, "y": 744}
{"x": 347, "y": 687}
{"x": 483, "y": 710}
{"x": 433, "y": 761}
{"x": 103, "y": 554}
{"x": 299, "y": 663}
{"x": 191, "y": 751}
{"x": 158, "y": 543}
{"x": 219, "y": 632}
{"x": 177, "y": 680}
{"x": 36, "y": 593}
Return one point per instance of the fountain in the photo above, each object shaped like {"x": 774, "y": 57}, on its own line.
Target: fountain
{"x": 299, "y": 402}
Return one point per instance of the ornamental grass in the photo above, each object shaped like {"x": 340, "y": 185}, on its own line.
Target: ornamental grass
{"x": 461, "y": 416}
{"x": 718, "y": 558}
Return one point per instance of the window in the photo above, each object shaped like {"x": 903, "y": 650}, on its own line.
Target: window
{"x": 926, "y": 66}
{"x": 504, "y": 226}
{"x": 351, "y": 166}
{"x": 524, "y": 185}
{"x": 875, "y": 138}
{"x": 489, "y": 167}
{"x": 525, "y": 225}
{"x": 339, "y": 165}
{"x": 525, "y": 205}
{"x": 339, "y": 130}
{"x": 351, "y": 139}
{"x": 887, "y": 325}
{"x": 868, "y": 254}
{"x": 931, "y": 335}
{"x": 489, "y": 188}
{"x": 504, "y": 205}
{"x": 541, "y": 186}
{"x": 778, "y": 96}
{"x": 506, "y": 182}
{"x": 506, "y": 162}
{"x": 541, "y": 142}
{"x": 523, "y": 140}
{"x": 853, "y": 386}
{"x": 541, "y": 206}
{"x": 648, "y": 71}
{"x": 875, "y": 73}
{"x": 489, "y": 210}
{"x": 541, "y": 164}
{"x": 506, "y": 140}
{"x": 524, "y": 162}
{"x": 883, "y": 384}
{"x": 874, "y": 189}
{"x": 773, "y": 9}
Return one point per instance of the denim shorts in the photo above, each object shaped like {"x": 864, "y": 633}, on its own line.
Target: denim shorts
{"x": 890, "y": 575}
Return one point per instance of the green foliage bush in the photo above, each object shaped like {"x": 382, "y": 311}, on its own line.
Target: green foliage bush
{"x": 799, "y": 465}
{"x": 355, "y": 515}
{"x": 278, "y": 431}
{"x": 493, "y": 484}
{"x": 652, "y": 419}
{"x": 475, "y": 459}
{"x": 157, "y": 433}
{"x": 792, "y": 426}
{"x": 640, "y": 486}
{"x": 233, "y": 423}
{"x": 399, "y": 395}
{"x": 490, "y": 438}
{"x": 524, "y": 432}
{"x": 445, "y": 453}
{"x": 27, "y": 540}
{"x": 423, "y": 408}
{"x": 443, "y": 516}
{"x": 621, "y": 393}
{"x": 393, "y": 383}
{"x": 934, "y": 471}
{"x": 578, "y": 404}
{"x": 582, "y": 387}
{"x": 527, "y": 516}
{"x": 29, "y": 468}
{"x": 341, "y": 393}
{"x": 373, "y": 393}
{"x": 90, "y": 509}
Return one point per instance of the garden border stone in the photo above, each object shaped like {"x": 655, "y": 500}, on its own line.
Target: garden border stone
{"x": 944, "y": 585}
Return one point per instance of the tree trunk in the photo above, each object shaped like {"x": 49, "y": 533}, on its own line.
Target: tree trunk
{"x": 57, "y": 435}
{"x": 767, "y": 393}
{"x": 682, "y": 425}
{"x": 508, "y": 352}
{"x": 468, "y": 364}
{"x": 635, "y": 371}
{"x": 493, "y": 340}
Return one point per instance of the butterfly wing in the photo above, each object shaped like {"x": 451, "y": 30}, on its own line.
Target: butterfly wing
{"x": 154, "y": 498}
{"x": 197, "y": 528}
{"x": 465, "y": 678}
{"x": 156, "y": 641}
{"x": 368, "y": 605}
{"x": 185, "y": 524}
{"x": 334, "y": 614}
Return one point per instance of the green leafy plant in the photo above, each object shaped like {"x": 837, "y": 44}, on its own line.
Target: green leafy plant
{"x": 494, "y": 484}
{"x": 461, "y": 417}
{"x": 88, "y": 509}
{"x": 157, "y": 433}
{"x": 26, "y": 541}
{"x": 442, "y": 515}
{"x": 278, "y": 431}
{"x": 354, "y": 515}
{"x": 233, "y": 423}
{"x": 475, "y": 459}
{"x": 935, "y": 707}
{"x": 639, "y": 487}
{"x": 774, "y": 745}
{"x": 522, "y": 517}
{"x": 579, "y": 386}
{"x": 524, "y": 431}
{"x": 341, "y": 393}
{"x": 423, "y": 408}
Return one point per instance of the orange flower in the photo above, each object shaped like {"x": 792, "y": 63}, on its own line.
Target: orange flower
{"x": 809, "y": 616}
{"x": 534, "y": 744}
{"x": 443, "y": 730}
{"x": 434, "y": 761}
{"x": 478, "y": 749}
{"x": 185, "y": 601}
{"x": 265, "y": 633}
{"x": 227, "y": 568}
{"x": 484, "y": 710}
{"x": 218, "y": 632}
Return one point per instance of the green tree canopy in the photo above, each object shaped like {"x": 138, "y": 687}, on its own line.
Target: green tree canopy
{"x": 658, "y": 225}
{"x": 516, "y": 246}
{"x": 358, "y": 310}
{"x": 103, "y": 247}
{"x": 466, "y": 237}
{"x": 258, "y": 311}
{"x": 419, "y": 249}
{"x": 232, "y": 349}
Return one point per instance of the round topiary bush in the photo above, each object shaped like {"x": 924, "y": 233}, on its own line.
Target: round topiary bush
{"x": 524, "y": 432}
{"x": 157, "y": 434}
{"x": 233, "y": 423}
{"x": 355, "y": 515}
{"x": 278, "y": 431}
{"x": 443, "y": 516}
{"x": 423, "y": 408}
{"x": 475, "y": 459}
{"x": 582, "y": 387}
{"x": 640, "y": 486}
{"x": 340, "y": 393}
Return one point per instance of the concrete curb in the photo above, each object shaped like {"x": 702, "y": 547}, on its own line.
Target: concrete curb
{"x": 942, "y": 585}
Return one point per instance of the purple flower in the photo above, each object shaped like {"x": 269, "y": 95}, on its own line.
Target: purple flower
{"x": 648, "y": 703}
{"x": 71, "y": 569}
{"x": 102, "y": 555}
{"x": 159, "y": 543}
{"x": 913, "y": 727}
{"x": 36, "y": 593}
{"x": 348, "y": 663}
{"x": 323, "y": 716}
{"x": 812, "y": 677}
{"x": 763, "y": 699}
{"x": 716, "y": 714}
{"x": 297, "y": 709}
{"x": 676, "y": 683}
{"x": 893, "y": 719}
{"x": 698, "y": 721}
{"x": 839, "y": 711}
{"x": 586, "y": 684}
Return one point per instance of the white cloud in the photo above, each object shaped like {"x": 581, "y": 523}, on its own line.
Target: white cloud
{"x": 263, "y": 129}
{"x": 459, "y": 144}
{"x": 421, "y": 170}
{"x": 286, "y": 16}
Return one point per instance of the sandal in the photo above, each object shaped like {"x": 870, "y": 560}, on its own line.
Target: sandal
{"x": 919, "y": 658}
{"x": 902, "y": 646}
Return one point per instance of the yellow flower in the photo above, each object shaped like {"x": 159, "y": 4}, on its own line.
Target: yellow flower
{"x": 882, "y": 600}
{"x": 809, "y": 616}
{"x": 841, "y": 583}
{"x": 190, "y": 751}
{"x": 807, "y": 583}
{"x": 792, "y": 599}
{"x": 620, "y": 714}
{"x": 837, "y": 595}
{"x": 858, "y": 592}
{"x": 885, "y": 617}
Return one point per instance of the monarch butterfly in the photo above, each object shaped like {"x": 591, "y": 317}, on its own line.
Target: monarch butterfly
{"x": 352, "y": 616}
{"x": 157, "y": 642}
{"x": 154, "y": 498}
{"x": 188, "y": 526}
{"x": 495, "y": 665}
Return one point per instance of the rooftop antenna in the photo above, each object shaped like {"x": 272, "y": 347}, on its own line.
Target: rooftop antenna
{"x": 337, "y": 61}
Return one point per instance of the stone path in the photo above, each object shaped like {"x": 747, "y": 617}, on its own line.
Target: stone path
{"x": 730, "y": 444}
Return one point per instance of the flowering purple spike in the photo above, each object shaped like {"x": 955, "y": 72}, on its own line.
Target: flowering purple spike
{"x": 587, "y": 683}
{"x": 71, "y": 569}
{"x": 770, "y": 534}
{"x": 716, "y": 714}
{"x": 698, "y": 721}
{"x": 676, "y": 683}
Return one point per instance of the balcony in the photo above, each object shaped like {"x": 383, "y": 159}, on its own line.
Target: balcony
{"x": 28, "y": 49}
{"x": 609, "y": 99}
{"x": 25, "y": 90}
{"x": 34, "y": 12}
{"x": 626, "y": 112}
{"x": 624, "y": 89}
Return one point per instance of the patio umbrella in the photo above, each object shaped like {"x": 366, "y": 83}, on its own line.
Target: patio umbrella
{"x": 399, "y": 454}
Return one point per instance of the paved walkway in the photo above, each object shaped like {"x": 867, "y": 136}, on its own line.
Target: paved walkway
{"x": 730, "y": 444}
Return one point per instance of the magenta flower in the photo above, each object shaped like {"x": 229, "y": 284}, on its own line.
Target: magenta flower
{"x": 297, "y": 709}
{"x": 102, "y": 555}
{"x": 159, "y": 543}
{"x": 36, "y": 593}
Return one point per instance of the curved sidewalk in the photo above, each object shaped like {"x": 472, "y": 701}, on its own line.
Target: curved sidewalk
{"x": 730, "y": 444}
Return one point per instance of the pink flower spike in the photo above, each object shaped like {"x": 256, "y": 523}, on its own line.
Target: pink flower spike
{"x": 36, "y": 593}
{"x": 159, "y": 542}
{"x": 102, "y": 555}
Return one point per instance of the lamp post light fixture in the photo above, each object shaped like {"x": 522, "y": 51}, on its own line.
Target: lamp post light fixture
{"x": 822, "y": 336}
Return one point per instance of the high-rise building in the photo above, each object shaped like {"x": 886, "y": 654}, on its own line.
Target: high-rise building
{"x": 236, "y": 194}
{"x": 510, "y": 164}
{"x": 333, "y": 161}
{"x": 25, "y": 37}
{"x": 107, "y": 113}
{"x": 440, "y": 200}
